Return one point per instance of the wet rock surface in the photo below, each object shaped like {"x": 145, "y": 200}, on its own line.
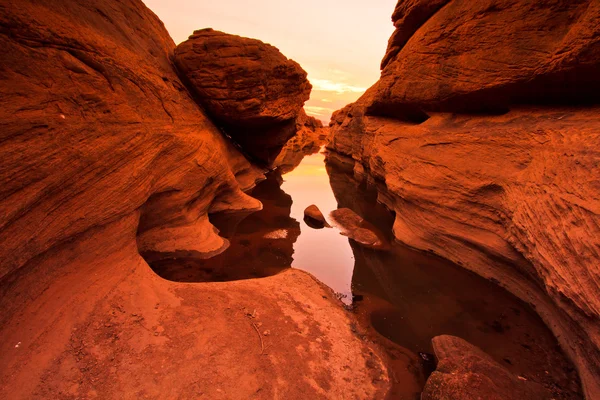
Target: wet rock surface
{"x": 261, "y": 243}
{"x": 408, "y": 297}
{"x": 252, "y": 90}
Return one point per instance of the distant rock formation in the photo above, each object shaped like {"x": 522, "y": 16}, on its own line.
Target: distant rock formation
{"x": 310, "y": 136}
{"x": 252, "y": 90}
{"x": 514, "y": 197}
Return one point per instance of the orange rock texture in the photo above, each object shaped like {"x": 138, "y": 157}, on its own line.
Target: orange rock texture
{"x": 461, "y": 55}
{"x": 104, "y": 155}
{"x": 252, "y": 90}
{"x": 484, "y": 130}
{"x": 464, "y": 372}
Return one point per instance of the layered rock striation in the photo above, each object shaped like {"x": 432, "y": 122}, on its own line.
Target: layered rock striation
{"x": 484, "y": 130}
{"x": 252, "y": 90}
{"x": 104, "y": 157}
{"x": 96, "y": 126}
{"x": 465, "y": 56}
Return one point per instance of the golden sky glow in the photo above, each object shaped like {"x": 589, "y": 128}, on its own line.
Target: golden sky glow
{"x": 340, "y": 43}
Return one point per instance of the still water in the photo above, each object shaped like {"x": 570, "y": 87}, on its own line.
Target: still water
{"x": 402, "y": 298}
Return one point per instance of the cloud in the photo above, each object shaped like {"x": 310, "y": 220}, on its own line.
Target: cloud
{"x": 326, "y": 101}
{"x": 326, "y": 85}
{"x": 316, "y": 111}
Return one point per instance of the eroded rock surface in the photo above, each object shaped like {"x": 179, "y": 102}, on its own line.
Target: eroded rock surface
{"x": 252, "y": 90}
{"x": 462, "y": 55}
{"x": 464, "y": 372}
{"x": 513, "y": 197}
{"x": 96, "y": 126}
{"x": 105, "y": 155}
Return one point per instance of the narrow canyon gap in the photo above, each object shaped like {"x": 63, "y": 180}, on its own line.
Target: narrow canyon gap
{"x": 156, "y": 200}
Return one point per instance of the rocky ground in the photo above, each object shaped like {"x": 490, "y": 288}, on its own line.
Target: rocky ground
{"x": 105, "y": 326}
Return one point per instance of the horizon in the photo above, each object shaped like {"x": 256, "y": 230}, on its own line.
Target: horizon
{"x": 342, "y": 62}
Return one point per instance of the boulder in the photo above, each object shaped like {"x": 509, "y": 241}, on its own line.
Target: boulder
{"x": 314, "y": 217}
{"x": 252, "y": 90}
{"x": 465, "y": 372}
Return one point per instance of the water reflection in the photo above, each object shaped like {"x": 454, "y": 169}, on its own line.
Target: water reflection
{"x": 325, "y": 253}
{"x": 261, "y": 243}
{"x": 409, "y": 297}
{"x": 403, "y": 298}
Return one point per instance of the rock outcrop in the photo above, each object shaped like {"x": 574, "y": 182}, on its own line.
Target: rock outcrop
{"x": 464, "y": 372}
{"x": 103, "y": 155}
{"x": 97, "y": 127}
{"x": 513, "y": 197}
{"x": 252, "y": 90}
{"x": 460, "y": 55}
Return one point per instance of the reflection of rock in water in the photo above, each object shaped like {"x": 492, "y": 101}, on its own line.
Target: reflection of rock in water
{"x": 261, "y": 243}
{"x": 410, "y": 297}
{"x": 309, "y": 138}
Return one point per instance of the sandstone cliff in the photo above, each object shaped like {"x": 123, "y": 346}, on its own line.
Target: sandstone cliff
{"x": 103, "y": 155}
{"x": 252, "y": 90}
{"x": 512, "y": 195}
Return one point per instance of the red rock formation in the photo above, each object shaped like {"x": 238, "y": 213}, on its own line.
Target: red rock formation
{"x": 464, "y": 372}
{"x": 98, "y": 126}
{"x": 248, "y": 86}
{"x": 484, "y": 55}
{"x": 103, "y": 154}
{"x": 356, "y": 228}
{"x": 512, "y": 197}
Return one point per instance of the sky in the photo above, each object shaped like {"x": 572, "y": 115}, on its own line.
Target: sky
{"x": 340, "y": 43}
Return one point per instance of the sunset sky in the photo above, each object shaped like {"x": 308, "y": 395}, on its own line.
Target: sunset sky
{"x": 340, "y": 43}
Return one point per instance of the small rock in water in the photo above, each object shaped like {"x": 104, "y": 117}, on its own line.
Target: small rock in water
{"x": 356, "y": 228}
{"x": 315, "y": 218}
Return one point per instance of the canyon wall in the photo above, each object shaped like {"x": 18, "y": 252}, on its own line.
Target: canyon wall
{"x": 104, "y": 154}
{"x": 484, "y": 129}
{"x": 96, "y": 125}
